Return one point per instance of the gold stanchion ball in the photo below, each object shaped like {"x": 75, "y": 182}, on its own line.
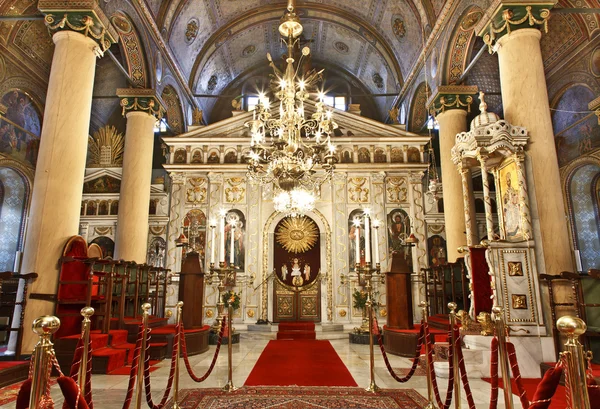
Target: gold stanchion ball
{"x": 47, "y": 324}
{"x": 146, "y": 307}
{"x": 87, "y": 312}
{"x": 571, "y": 326}
{"x": 180, "y": 304}
{"x": 452, "y": 306}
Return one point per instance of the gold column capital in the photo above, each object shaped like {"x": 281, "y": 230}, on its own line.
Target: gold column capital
{"x": 141, "y": 100}
{"x": 449, "y": 97}
{"x": 85, "y": 17}
{"x": 503, "y": 17}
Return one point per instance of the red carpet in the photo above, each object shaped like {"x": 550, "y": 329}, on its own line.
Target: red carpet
{"x": 299, "y": 362}
{"x": 559, "y": 401}
{"x": 300, "y": 398}
{"x": 296, "y": 330}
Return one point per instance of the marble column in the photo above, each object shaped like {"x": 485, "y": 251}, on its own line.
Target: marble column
{"x": 451, "y": 105}
{"x": 489, "y": 222}
{"x": 142, "y": 107}
{"x": 57, "y": 188}
{"x": 525, "y": 101}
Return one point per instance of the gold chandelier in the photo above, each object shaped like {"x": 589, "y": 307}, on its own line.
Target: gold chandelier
{"x": 288, "y": 150}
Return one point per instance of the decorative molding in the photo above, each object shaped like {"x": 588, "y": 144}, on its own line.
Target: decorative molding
{"x": 142, "y": 100}
{"x": 504, "y": 17}
{"x": 452, "y": 97}
{"x": 85, "y": 17}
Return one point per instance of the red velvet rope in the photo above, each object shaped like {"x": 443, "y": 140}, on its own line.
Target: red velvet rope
{"x": 74, "y": 372}
{"x": 494, "y": 374}
{"x": 516, "y": 372}
{"x": 174, "y": 357}
{"x": 547, "y": 387}
{"x": 415, "y": 359}
{"x": 431, "y": 369}
{"x": 134, "y": 368}
{"x": 214, "y": 360}
{"x": 463, "y": 371}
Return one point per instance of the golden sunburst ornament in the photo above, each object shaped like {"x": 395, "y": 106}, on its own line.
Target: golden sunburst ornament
{"x": 297, "y": 234}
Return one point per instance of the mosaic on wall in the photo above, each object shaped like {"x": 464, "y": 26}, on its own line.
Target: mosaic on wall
{"x": 20, "y": 128}
{"x": 103, "y": 184}
{"x": 575, "y": 133}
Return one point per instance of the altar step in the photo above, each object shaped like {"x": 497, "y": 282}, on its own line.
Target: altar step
{"x": 296, "y": 330}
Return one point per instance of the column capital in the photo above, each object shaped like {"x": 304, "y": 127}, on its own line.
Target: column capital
{"x": 141, "y": 100}
{"x": 503, "y": 17}
{"x": 452, "y": 97}
{"x": 84, "y": 17}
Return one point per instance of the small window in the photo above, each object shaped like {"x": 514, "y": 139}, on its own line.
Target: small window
{"x": 160, "y": 126}
{"x": 252, "y": 103}
{"x": 336, "y": 102}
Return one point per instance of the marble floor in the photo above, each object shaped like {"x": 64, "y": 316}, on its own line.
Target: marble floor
{"x": 109, "y": 391}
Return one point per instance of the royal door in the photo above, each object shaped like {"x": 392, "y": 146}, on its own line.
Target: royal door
{"x": 297, "y": 260}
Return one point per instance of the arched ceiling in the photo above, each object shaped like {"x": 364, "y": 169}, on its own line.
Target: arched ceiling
{"x": 376, "y": 41}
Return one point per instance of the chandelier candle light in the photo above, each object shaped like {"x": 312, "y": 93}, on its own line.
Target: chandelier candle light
{"x": 285, "y": 150}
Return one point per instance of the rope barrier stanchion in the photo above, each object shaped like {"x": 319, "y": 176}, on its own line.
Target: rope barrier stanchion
{"x": 134, "y": 368}
{"x": 139, "y": 392}
{"x": 503, "y": 356}
{"x": 369, "y": 304}
{"x": 82, "y": 375}
{"x": 416, "y": 359}
{"x": 42, "y": 361}
{"x": 229, "y": 387}
{"x": 428, "y": 363}
{"x": 186, "y": 360}
{"x": 179, "y": 342}
{"x": 455, "y": 357}
{"x": 572, "y": 328}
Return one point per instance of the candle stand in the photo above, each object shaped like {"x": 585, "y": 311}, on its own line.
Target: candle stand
{"x": 225, "y": 277}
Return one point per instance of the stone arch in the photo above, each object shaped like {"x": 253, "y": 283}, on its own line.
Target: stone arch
{"x": 418, "y": 108}
{"x": 132, "y": 48}
{"x": 174, "y": 115}
{"x": 460, "y": 45}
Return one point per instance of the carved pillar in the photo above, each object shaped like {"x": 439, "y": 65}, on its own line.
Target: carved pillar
{"x": 465, "y": 174}
{"x": 524, "y": 196}
{"x": 419, "y": 251}
{"x": 176, "y": 215}
{"x": 215, "y": 203}
{"x": 512, "y": 30}
{"x": 489, "y": 221}
{"x": 253, "y": 235}
{"x": 80, "y": 36}
{"x": 451, "y": 105}
{"x": 342, "y": 297}
{"x": 142, "y": 107}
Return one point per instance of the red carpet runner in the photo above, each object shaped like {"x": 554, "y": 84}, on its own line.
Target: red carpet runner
{"x": 299, "y": 362}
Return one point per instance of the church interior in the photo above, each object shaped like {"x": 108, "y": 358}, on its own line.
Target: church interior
{"x": 300, "y": 204}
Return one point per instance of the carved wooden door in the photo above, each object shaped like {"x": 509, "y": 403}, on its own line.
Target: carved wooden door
{"x": 290, "y": 305}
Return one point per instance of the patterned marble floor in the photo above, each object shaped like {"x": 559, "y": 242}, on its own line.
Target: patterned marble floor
{"x": 109, "y": 391}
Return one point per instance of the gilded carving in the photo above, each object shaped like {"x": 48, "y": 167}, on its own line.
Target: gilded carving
{"x": 209, "y": 313}
{"x": 105, "y": 148}
{"x": 519, "y": 301}
{"x": 342, "y": 313}
{"x": 297, "y": 234}
{"x": 530, "y": 16}
{"x": 515, "y": 268}
{"x": 196, "y": 190}
{"x": 250, "y": 313}
{"x": 103, "y": 230}
{"x": 235, "y": 191}
{"x": 358, "y": 190}
{"x": 397, "y": 191}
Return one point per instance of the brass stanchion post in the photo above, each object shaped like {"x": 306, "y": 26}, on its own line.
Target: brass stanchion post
{"x": 42, "y": 354}
{"x": 430, "y": 397}
{"x": 503, "y": 356}
{"x": 178, "y": 346}
{"x": 369, "y": 305}
{"x": 229, "y": 387}
{"x": 572, "y": 328}
{"x": 455, "y": 364}
{"x": 87, "y": 312}
{"x": 140, "y": 370}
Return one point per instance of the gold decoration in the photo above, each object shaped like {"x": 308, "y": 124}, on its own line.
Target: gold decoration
{"x": 515, "y": 268}
{"x": 103, "y": 230}
{"x": 297, "y": 234}
{"x": 236, "y": 190}
{"x": 357, "y": 191}
{"x": 250, "y": 313}
{"x": 396, "y": 190}
{"x": 487, "y": 324}
{"x": 342, "y": 313}
{"x": 519, "y": 301}
{"x": 209, "y": 313}
{"x": 105, "y": 148}
{"x": 507, "y": 21}
{"x": 196, "y": 193}
{"x": 197, "y": 117}
{"x": 383, "y": 312}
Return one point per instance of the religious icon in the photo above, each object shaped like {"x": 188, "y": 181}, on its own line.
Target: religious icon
{"x": 352, "y": 231}
{"x": 307, "y": 272}
{"x": 511, "y": 207}
{"x": 284, "y": 272}
{"x": 213, "y": 157}
{"x": 437, "y": 250}
{"x": 238, "y": 237}
{"x": 296, "y": 273}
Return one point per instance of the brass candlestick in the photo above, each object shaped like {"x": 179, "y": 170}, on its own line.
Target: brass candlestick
{"x": 226, "y": 276}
